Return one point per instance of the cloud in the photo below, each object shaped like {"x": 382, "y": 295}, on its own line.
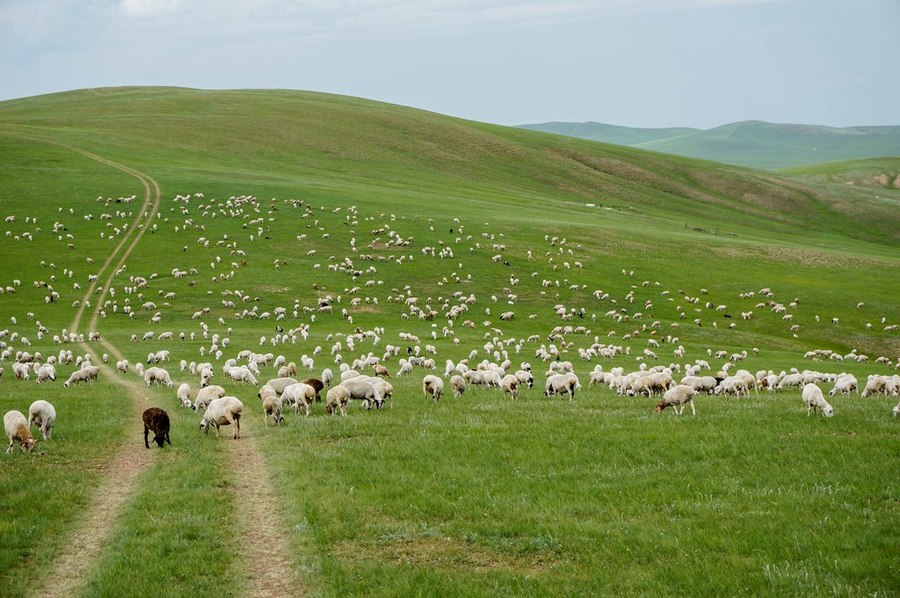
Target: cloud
{"x": 146, "y": 8}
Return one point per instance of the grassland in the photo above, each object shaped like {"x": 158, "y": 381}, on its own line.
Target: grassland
{"x": 479, "y": 495}
{"x": 754, "y": 144}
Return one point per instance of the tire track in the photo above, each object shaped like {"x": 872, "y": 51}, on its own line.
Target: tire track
{"x": 263, "y": 547}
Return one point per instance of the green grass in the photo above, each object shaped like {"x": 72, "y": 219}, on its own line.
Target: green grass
{"x": 753, "y": 144}
{"x": 475, "y": 496}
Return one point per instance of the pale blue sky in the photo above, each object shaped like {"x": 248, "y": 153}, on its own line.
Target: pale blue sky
{"x": 644, "y": 63}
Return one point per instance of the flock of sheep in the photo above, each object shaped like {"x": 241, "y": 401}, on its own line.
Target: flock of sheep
{"x": 354, "y": 383}
{"x": 443, "y": 316}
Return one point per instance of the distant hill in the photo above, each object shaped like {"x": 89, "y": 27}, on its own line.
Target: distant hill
{"x": 755, "y": 144}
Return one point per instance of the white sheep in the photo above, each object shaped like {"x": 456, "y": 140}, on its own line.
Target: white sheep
{"x": 42, "y": 414}
{"x": 299, "y": 395}
{"x": 509, "y": 384}
{"x": 434, "y": 386}
{"x": 813, "y": 398}
{"x": 560, "y": 384}
{"x": 280, "y": 383}
{"x": 845, "y": 384}
{"x": 225, "y": 411}
{"x": 677, "y": 395}
{"x": 157, "y": 375}
{"x": 363, "y": 390}
{"x": 272, "y": 406}
{"x": 242, "y": 374}
{"x": 17, "y": 430}
{"x": 183, "y": 394}
{"x": 206, "y": 395}
{"x": 337, "y": 399}
{"x": 327, "y": 377}
{"x": 87, "y": 374}
{"x": 45, "y": 373}
{"x": 458, "y": 384}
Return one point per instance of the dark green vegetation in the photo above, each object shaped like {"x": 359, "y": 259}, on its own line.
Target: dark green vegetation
{"x": 754, "y": 144}
{"x": 478, "y": 495}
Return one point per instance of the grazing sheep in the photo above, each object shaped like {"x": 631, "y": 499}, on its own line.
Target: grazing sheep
{"x": 17, "y": 430}
{"x": 317, "y": 384}
{"x": 272, "y": 408}
{"x": 43, "y": 415}
{"x": 242, "y": 374}
{"x": 156, "y": 420}
{"x": 458, "y": 384}
{"x": 22, "y": 371}
{"x": 380, "y": 370}
{"x": 84, "y": 375}
{"x": 280, "y": 383}
{"x": 510, "y": 384}
{"x": 44, "y": 373}
{"x": 813, "y": 398}
{"x": 845, "y": 384}
{"x": 206, "y": 395}
{"x": 677, "y": 395}
{"x": 560, "y": 384}
{"x": 434, "y": 386}
{"x": 183, "y": 394}
{"x": 157, "y": 375}
{"x": 327, "y": 377}
{"x": 874, "y": 385}
{"x": 300, "y": 395}
{"x": 363, "y": 390}
{"x": 286, "y": 371}
{"x": 225, "y": 411}
{"x": 337, "y": 398}
{"x": 122, "y": 366}
{"x": 525, "y": 377}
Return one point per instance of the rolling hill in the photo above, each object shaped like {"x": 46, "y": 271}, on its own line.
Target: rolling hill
{"x": 754, "y": 144}
{"x": 260, "y": 231}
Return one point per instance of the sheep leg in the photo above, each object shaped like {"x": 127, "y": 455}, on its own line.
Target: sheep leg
{"x": 168, "y": 440}
{"x": 693, "y": 411}
{"x": 9, "y": 450}
{"x": 237, "y": 428}
{"x": 146, "y": 432}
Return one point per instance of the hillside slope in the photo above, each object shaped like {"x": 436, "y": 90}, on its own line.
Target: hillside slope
{"x": 320, "y": 139}
{"x": 754, "y": 144}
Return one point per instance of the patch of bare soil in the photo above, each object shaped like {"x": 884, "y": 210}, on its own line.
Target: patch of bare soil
{"x": 268, "y": 570}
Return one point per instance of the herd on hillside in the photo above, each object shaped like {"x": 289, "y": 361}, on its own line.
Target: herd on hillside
{"x": 636, "y": 332}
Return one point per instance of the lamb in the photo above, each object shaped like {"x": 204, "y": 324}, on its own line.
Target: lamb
{"x": 380, "y": 370}
{"x": 299, "y": 395}
{"x": 677, "y": 395}
{"x": 156, "y": 420}
{"x": 84, "y": 375}
{"x": 22, "y": 371}
{"x": 206, "y": 395}
{"x": 225, "y": 411}
{"x": 288, "y": 370}
{"x": 813, "y": 398}
{"x": 17, "y": 430}
{"x": 560, "y": 384}
{"x": 337, "y": 398}
{"x": 458, "y": 384}
{"x": 845, "y": 384}
{"x": 183, "y": 394}
{"x": 434, "y": 386}
{"x": 122, "y": 366}
{"x": 157, "y": 375}
{"x": 43, "y": 415}
{"x": 510, "y": 384}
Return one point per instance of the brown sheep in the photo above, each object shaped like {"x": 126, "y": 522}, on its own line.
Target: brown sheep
{"x": 317, "y": 384}
{"x": 157, "y": 421}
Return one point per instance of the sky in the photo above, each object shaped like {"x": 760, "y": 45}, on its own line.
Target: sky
{"x": 640, "y": 63}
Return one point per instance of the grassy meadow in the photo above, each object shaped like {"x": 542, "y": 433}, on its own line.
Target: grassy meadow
{"x": 280, "y": 199}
